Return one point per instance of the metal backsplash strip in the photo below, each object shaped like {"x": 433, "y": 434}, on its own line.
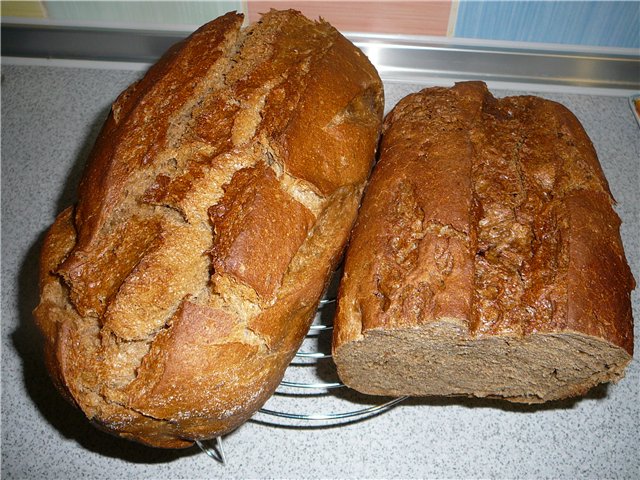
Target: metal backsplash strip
{"x": 407, "y": 59}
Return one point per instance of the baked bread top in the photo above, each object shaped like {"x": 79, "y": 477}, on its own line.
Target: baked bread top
{"x": 216, "y": 201}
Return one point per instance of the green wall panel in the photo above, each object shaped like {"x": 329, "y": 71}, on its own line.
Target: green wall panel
{"x": 168, "y": 13}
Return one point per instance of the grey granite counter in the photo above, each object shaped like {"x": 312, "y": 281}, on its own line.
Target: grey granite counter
{"x": 50, "y": 118}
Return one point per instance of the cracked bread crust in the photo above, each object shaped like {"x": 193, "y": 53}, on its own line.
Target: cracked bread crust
{"x": 177, "y": 290}
{"x": 486, "y": 259}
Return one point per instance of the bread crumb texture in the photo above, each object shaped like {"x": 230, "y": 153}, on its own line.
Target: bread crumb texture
{"x": 486, "y": 260}
{"x": 214, "y": 207}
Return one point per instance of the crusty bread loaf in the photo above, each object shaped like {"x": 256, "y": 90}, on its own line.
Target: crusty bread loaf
{"x": 486, "y": 259}
{"x": 216, "y": 202}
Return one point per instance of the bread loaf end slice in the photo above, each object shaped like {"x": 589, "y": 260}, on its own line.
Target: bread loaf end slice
{"x": 486, "y": 260}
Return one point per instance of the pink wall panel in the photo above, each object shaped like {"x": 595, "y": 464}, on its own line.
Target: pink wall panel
{"x": 382, "y": 16}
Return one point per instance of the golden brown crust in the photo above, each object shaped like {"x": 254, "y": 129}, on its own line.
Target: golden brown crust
{"x": 51, "y": 312}
{"x": 129, "y": 139}
{"x": 258, "y": 229}
{"x": 176, "y": 295}
{"x": 598, "y": 286}
{"x": 491, "y": 215}
{"x": 316, "y": 151}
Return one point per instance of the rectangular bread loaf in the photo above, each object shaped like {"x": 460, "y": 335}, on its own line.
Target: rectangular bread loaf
{"x": 214, "y": 207}
{"x": 486, "y": 259}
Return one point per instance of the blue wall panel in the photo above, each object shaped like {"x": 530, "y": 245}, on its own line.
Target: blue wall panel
{"x": 603, "y": 23}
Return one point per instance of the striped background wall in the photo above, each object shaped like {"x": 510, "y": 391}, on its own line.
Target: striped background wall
{"x": 600, "y": 23}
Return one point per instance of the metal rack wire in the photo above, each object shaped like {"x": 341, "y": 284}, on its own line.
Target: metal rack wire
{"x": 319, "y": 381}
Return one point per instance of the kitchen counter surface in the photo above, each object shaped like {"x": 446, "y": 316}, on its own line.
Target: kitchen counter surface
{"x": 50, "y": 117}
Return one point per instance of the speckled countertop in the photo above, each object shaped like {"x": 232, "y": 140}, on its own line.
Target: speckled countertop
{"x": 50, "y": 118}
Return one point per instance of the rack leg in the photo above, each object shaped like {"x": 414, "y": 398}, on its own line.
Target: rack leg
{"x": 215, "y": 452}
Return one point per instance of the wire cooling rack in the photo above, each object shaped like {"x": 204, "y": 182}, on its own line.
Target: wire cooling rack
{"x": 311, "y": 395}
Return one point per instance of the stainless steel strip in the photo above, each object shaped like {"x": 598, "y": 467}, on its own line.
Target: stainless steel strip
{"x": 410, "y": 61}
{"x": 402, "y": 58}
{"x": 84, "y": 43}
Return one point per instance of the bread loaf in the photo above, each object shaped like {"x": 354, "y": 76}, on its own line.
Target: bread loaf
{"x": 214, "y": 207}
{"x": 486, "y": 259}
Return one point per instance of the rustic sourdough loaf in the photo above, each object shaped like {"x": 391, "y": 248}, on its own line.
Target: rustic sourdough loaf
{"x": 215, "y": 205}
{"x": 486, "y": 259}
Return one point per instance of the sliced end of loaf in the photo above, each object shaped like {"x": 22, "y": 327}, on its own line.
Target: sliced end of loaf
{"x": 443, "y": 360}
{"x": 486, "y": 260}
